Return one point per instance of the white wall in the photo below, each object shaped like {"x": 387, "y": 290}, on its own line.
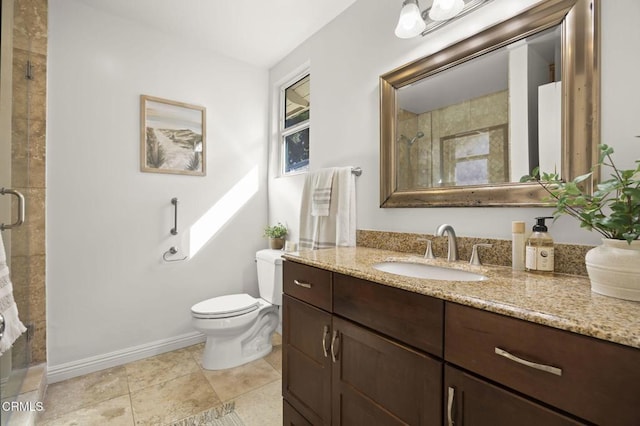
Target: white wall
{"x": 349, "y": 55}
{"x": 108, "y": 223}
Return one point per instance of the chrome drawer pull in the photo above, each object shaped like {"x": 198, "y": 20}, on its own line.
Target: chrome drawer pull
{"x": 450, "y": 397}
{"x": 335, "y": 340}
{"x": 302, "y": 284}
{"x": 325, "y": 334}
{"x": 548, "y": 368}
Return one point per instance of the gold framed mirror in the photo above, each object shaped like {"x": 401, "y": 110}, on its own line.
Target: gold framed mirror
{"x": 576, "y": 24}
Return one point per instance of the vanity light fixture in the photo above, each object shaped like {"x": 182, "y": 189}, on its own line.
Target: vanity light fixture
{"x": 413, "y": 22}
{"x": 410, "y": 23}
{"x": 443, "y": 10}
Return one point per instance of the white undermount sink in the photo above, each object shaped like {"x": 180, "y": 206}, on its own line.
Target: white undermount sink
{"x": 421, "y": 270}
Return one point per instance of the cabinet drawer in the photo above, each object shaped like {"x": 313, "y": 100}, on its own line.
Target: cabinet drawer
{"x": 596, "y": 380}
{"x": 307, "y": 283}
{"x": 409, "y": 317}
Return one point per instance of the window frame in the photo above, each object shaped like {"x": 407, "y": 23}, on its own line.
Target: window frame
{"x": 283, "y": 132}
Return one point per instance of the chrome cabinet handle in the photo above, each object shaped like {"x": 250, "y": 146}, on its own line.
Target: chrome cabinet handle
{"x": 335, "y": 341}
{"x": 450, "y": 397}
{"x": 2, "y": 325}
{"x": 21, "y": 209}
{"x": 302, "y": 284}
{"x": 542, "y": 367}
{"x": 325, "y": 334}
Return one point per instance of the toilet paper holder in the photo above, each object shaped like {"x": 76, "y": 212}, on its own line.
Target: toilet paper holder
{"x": 172, "y": 250}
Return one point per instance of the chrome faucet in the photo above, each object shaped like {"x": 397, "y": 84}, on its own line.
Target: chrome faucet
{"x": 452, "y": 253}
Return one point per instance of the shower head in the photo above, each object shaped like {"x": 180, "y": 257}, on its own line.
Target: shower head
{"x": 412, "y": 140}
{"x": 417, "y": 136}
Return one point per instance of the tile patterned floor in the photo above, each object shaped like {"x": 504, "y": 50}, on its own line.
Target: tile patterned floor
{"x": 165, "y": 388}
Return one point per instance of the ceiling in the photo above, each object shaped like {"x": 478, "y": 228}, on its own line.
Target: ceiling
{"x": 481, "y": 76}
{"x": 258, "y": 32}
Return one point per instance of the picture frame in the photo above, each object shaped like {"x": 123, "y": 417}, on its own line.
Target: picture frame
{"x": 172, "y": 137}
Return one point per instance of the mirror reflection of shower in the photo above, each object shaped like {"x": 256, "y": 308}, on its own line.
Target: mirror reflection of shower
{"x": 410, "y": 142}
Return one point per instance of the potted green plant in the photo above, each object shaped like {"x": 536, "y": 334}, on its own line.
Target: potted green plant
{"x": 613, "y": 210}
{"x": 276, "y": 234}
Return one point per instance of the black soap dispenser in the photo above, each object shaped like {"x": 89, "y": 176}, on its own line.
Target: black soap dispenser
{"x": 539, "y": 248}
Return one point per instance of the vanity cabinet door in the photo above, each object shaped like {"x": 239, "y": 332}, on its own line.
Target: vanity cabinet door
{"x": 290, "y": 417}
{"x": 592, "y": 379}
{"x": 470, "y": 401}
{"x": 306, "y": 363}
{"x": 377, "y": 381}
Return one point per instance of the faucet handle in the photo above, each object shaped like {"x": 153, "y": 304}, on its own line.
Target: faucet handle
{"x": 475, "y": 256}
{"x": 428, "y": 253}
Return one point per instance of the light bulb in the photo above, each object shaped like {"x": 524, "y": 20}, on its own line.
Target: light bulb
{"x": 445, "y": 9}
{"x": 410, "y": 23}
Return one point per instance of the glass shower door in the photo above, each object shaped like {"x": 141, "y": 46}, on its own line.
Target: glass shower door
{"x": 15, "y": 180}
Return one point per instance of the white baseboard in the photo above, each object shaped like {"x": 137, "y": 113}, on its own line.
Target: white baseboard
{"x": 57, "y": 373}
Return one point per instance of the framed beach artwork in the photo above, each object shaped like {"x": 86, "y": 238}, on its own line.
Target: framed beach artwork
{"x": 172, "y": 137}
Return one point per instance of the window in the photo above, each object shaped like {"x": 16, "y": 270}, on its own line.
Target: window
{"x": 476, "y": 157}
{"x": 294, "y": 126}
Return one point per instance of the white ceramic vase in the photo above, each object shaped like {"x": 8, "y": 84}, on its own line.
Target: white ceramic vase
{"x": 614, "y": 269}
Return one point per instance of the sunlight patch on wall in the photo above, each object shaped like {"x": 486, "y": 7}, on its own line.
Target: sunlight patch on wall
{"x": 205, "y": 228}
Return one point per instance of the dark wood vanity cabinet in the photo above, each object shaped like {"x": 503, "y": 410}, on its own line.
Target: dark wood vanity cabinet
{"x": 471, "y": 401}
{"x": 360, "y": 353}
{"x": 592, "y": 379}
{"x": 338, "y": 371}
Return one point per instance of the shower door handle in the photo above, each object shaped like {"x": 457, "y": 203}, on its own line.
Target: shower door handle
{"x": 20, "y": 219}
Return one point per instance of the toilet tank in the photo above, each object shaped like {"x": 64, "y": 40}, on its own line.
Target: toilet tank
{"x": 269, "y": 263}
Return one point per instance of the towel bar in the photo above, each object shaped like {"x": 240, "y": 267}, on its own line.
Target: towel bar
{"x": 356, "y": 171}
{"x": 21, "y": 209}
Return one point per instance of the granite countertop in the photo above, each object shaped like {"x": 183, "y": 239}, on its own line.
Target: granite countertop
{"x": 561, "y": 301}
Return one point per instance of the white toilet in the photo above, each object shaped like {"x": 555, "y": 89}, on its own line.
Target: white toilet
{"x": 239, "y": 327}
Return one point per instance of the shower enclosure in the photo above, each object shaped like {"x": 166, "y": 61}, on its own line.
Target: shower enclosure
{"x": 22, "y": 148}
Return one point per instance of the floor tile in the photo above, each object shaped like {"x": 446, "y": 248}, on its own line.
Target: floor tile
{"x": 261, "y": 407}
{"x": 173, "y": 400}
{"x": 275, "y": 358}
{"x": 113, "y": 412}
{"x": 276, "y": 339}
{"x": 232, "y": 382}
{"x": 160, "y": 368}
{"x": 83, "y": 391}
{"x": 166, "y": 388}
{"x": 20, "y": 417}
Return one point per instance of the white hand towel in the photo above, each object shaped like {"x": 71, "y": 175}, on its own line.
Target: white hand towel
{"x": 346, "y": 207}
{"x": 338, "y": 228}
{"x": 13, "y": 326}
{"x": 321, "y": 197}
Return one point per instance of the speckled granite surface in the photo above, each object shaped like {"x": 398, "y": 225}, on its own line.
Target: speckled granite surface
{"x": 569, "y": 258}
{"x": 561, "y": 301}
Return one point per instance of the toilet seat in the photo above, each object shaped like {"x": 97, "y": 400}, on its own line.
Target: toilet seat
{"x": 228, "y": 306}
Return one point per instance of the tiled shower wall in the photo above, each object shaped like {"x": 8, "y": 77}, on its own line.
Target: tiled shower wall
{"x": 28, "y": 172}
{"x": 419, "y": 163}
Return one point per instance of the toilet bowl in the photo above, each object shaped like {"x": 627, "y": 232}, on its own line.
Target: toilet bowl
{"x": 239, "y": 327}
